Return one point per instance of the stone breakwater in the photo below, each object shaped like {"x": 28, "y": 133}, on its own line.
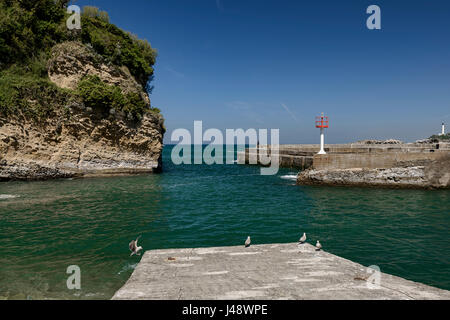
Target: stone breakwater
{"x": 270, "y": 271}
{"x": 423, "y": 173}
{"x": 413, "y": 177}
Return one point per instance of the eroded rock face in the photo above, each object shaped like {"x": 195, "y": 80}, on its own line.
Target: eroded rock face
{"x": 81, "y": 145}
{"x": 435, "y": 174}
{"x": 71, "y": 61}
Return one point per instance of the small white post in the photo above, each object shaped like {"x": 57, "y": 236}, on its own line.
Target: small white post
{"x": 443, "y": 129}
{"x": 322, "y": 142}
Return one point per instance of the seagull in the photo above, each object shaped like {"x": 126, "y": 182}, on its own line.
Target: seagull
{"x": 318, "y": 246}
{"x": 134, "y": 247}
{"x": 303, "y": 238}
{"x": 247, "y": 242}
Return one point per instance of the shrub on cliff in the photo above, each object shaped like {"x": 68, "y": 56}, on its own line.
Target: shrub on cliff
{"x": 27, "y": 27}
{"x": 27, "y": 94}
{"x": 94, "y": 12}
{"x": 97, "y": 94}
{"x": 119, "y": 47}
{"x": 135, "y": 105}
{"x": 102, "y": 96}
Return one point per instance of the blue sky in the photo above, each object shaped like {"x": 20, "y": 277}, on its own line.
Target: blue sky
{"x": 278, "y": 64}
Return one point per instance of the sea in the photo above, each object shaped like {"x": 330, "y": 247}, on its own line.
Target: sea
{"x": 48, "y": 226}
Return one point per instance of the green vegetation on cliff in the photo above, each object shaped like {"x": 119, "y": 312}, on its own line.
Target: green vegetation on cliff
{"x": 29, "y": 29}
{"x": 29, "y": 94}
{"x": 97, "y": 94}
{"x": 119, "y": 47}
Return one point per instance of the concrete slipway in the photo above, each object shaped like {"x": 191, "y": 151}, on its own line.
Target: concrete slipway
{"x": 261, "y": 272}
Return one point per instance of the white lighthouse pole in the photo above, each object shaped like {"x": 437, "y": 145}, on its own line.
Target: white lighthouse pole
{"x": 322, "y": 142}
{"x": 443, "y": 129}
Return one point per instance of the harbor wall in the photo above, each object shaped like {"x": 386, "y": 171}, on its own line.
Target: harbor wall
{"x": 384, "y": 160}
{"x": 348, "y": 156}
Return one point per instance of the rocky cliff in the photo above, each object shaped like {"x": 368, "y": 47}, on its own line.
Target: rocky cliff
{"x": 76, "y": 140}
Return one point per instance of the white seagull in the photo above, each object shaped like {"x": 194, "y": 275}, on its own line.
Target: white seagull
{"x": 303, "y": 238}
{"x": 134, "y": 247}
{"x": 318, "y": 246}
{"x": 247, "y": 242}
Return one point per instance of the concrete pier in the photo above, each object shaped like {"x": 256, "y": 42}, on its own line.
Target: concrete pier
{"x": 261, "y": 272}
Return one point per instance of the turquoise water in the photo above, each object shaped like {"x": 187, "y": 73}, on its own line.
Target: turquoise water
{"x": 47, "y": 226}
